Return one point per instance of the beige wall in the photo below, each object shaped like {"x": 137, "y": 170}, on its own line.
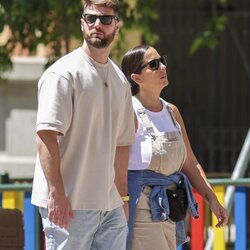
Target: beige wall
{"x": 18, "y": 104}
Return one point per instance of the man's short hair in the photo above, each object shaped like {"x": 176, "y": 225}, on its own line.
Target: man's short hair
{"x": 113, "y": 4}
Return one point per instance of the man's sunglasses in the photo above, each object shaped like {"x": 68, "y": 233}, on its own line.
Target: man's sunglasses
{"x": 105, "y": 19}
{"x": 154, "y": 64}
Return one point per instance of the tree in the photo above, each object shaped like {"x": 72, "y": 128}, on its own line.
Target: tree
{"x": 56, "y": 23}
{"x": 213, "y": 28}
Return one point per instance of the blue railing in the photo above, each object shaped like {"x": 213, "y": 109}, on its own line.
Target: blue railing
{"x": 19, "y": 196}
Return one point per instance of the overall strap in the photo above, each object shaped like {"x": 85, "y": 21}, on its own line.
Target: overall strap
{"x": 171, "y": 112}
{"x": 141, "y": 111}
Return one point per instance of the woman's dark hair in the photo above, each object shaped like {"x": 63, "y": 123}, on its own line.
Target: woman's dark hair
{"x": 131, "y": 63}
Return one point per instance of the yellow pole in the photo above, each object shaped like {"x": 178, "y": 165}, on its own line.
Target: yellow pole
{"x": 219, "y": 241}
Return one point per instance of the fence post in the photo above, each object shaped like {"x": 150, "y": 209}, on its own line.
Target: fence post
{"x": 13, "y": 199}
{"x": 219, "y": 241}
{"x": 4, "y": 178}
{"x": 29, "y": 222}
{"x": 240, "y": 218}
{"x": 197, "y": 225}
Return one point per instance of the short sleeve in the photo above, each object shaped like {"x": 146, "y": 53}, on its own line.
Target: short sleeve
{"x": 55, "y": 102}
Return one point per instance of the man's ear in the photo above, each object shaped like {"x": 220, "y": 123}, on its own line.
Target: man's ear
{"x": 82, "y": 24}
{"x": 136, "y": 78}
{"x": 117, "y": 28}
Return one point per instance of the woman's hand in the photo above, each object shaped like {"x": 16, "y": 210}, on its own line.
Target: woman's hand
{"x": 220, "y": 212}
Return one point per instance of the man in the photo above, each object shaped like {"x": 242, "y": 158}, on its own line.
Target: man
{"x": 84, "y": 127}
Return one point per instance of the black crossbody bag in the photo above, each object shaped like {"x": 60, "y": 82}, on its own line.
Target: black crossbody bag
{"x": 178, "y": 202}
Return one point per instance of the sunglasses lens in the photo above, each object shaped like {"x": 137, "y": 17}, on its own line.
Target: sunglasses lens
{"x": 154, "y": 64}
{"x": 164, "y": 60}
{"x": 90, "y": 18}
{"x": 106, "y": 19}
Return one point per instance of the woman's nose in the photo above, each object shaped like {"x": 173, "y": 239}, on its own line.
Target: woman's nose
{"x": 163, "y": 66}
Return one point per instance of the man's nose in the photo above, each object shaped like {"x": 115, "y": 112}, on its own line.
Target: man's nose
{"x": 97, "y": 22}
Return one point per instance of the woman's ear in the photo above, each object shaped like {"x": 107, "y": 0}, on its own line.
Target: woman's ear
{"x": 136, "y": 78}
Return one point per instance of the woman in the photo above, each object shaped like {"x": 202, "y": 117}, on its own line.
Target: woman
{"x": 160, "y": 151}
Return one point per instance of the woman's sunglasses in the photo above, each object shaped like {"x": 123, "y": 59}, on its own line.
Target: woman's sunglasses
{"x": 154, "y": 64}
{"x": 105, "y": 19}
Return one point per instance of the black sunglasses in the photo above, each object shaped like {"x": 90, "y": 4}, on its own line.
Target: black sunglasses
{"x": 154, "y": 64}
{"x": 105, "y": 19}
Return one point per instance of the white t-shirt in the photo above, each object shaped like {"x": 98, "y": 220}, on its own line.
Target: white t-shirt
{"x": 93, "y": 119}
{"x": 141, "y": 151}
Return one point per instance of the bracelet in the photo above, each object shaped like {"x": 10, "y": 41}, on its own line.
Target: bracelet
{"x": 125, "y": 198}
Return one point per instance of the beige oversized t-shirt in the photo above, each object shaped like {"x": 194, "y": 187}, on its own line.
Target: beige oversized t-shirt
{"x": 90, "y": 105}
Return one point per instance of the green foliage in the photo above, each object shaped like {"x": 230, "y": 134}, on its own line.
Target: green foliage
{"x": 57, "y": 22}
{"x": 210, "y": 35}
{"x": 136, "y": 15}
{"x": 5, "y": 62}
{"x": 222, "y": 2}
{"x": 34, "y": 22}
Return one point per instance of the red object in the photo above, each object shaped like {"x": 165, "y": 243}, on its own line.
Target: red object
{"x": 197, "y": 225}
{"x": 43, "y": 241}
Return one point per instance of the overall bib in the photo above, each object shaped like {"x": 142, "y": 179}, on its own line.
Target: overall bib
{"x": 168, "y": 156}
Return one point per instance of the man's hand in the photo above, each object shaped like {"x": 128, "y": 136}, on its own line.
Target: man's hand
{"x": 59, "y": 209}
{"x": 126, "y": 209}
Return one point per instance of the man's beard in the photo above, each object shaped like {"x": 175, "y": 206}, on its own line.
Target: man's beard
{"x": 99, "y": 43}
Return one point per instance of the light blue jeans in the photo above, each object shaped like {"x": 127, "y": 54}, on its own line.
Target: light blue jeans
{"x": 89, "y": 230}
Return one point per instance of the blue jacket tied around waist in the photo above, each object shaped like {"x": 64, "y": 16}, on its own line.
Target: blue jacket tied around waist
{"x": 158, "y": 198}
